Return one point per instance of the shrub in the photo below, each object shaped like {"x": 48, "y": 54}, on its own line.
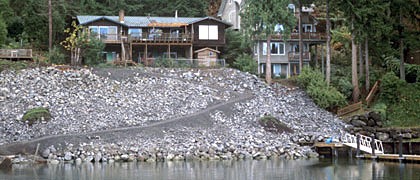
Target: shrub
{"x": 272, "y": 124}
{"x": 380, "y": 108}
{"x": 55, "y": 56}
{"x": 308, "y": 76}
{"x": 92, "y": 51}
{"x": 324, "y": 96}
{"x": 36, "y": 114}
{"x": 390, "y": 87}
{"x": 246, "y": 63}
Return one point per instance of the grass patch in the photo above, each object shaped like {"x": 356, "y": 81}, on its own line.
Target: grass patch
{"x": 13, "y": 65}
{"x": 405, "y": 112}
{"x": 272, "y": 124}
{"x": 36, "y": 114}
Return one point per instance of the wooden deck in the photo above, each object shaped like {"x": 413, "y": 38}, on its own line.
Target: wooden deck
{"x": 15, "y": 53}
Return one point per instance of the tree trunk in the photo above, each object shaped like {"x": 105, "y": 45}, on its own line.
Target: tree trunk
{"x": 328, "y": 73}
{"x": 50, "y": 28}
{"x": 268, "y": 61}
{"x": 300, "y": 38}
{"x": 354, "y": 77}
{"x": 402, "y": 68}
{"x": 360, "y": 61}
{"x": 367, "y": 83}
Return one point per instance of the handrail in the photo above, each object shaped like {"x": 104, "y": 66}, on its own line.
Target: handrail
{"x": 365, "y": 141}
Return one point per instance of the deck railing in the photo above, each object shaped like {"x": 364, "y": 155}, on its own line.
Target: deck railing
{"x": 147, "y": 38}
{"x": 305, "y": 36}
{"x": 294, "y": 56}
{"x": 16, "y": 53}
{"x": 161, "y": 37}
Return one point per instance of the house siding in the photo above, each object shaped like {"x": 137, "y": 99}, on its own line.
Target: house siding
{"x": 221, "y": 34}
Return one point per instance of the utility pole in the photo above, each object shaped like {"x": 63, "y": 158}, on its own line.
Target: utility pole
{"x": 50, "y": 28}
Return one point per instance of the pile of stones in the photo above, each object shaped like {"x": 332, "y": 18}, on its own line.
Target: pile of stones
{"x": 88, "y": 100}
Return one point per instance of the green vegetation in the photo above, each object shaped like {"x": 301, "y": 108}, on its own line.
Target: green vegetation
{"x": 56, "y": 56}
{"x": 404, "y": 111}
{"x": 323, "y": 95}
{"x": 246, "y": 63}
{"x": 272, "y": 124}
{"x": 36, "y": 114}
{"x": 13, "y": 65}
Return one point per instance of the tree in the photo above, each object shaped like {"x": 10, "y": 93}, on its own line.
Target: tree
{"x": 260, "y": 18}
{"x": 50, "y": 25}
{"x": 328, "y": 27}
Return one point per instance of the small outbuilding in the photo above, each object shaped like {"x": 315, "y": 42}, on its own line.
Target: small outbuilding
{"x": 207, "y": 56}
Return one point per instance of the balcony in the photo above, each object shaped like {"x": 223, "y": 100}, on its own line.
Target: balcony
{"x": 294, "y": 56}
{"x": 306, "y": 36}
{"x": 149, "y": 38}
{"x": 166, "y": 38}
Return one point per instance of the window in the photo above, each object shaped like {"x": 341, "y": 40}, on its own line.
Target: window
{"x": 278, "y": 28}
{"x": 104, "y": 32}
{"x": 135, "y": 32}
{"x": 291, "y": 8}
{"x": 208, "y": 32}
{"x": 307, "y": 28}
{"x": 155, "y": 33}
{"x": 276, "y": 48}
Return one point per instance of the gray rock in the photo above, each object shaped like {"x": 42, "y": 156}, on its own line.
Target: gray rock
{"x": 358, "y": 123}
{"x": 68, "y": 156}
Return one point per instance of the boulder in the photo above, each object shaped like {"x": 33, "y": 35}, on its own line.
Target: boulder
{"x": 358, "y": 123}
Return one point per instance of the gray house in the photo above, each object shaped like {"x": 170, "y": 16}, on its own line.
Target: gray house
{"x": 230, "y": 10}
{"x": 284, "y": 53}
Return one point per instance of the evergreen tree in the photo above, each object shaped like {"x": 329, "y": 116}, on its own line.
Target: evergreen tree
{"x": 260, "y": 19}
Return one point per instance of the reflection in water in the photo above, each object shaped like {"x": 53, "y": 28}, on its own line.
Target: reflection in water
{"x": 328, "y": 169}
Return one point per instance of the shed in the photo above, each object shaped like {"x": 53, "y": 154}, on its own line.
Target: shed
{"x": 207, "y": 56}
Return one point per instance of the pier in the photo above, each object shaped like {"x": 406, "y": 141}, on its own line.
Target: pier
{"x": 365, "y": 147}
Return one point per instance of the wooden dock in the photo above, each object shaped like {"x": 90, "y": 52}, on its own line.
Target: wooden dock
{"x": 392, "y": 157}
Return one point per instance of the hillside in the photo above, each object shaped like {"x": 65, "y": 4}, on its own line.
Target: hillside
{"x": 173, "y": 110}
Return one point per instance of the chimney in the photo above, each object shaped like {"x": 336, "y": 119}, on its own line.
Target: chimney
{"x": 176, "y": 13}
{"x": 121, "y": 16}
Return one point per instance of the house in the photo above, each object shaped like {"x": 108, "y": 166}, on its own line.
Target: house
{"x": 230, "y": 10}
{"x": 144, "y": 39}
{"x": 285, "y": 53}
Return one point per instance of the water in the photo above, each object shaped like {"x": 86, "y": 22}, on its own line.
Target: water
{"x": 328, "y": 169}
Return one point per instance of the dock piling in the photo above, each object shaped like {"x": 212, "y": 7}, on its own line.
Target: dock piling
{"x": 358, "y": 145}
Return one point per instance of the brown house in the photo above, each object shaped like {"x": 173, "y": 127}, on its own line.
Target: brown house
{"x": 144, "y": 39}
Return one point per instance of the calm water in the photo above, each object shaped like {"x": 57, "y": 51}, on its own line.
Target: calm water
{"x": 214, "y": 170}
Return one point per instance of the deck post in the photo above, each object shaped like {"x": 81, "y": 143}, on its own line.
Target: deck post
{"x": 358, "y": 145}
{"x": 400, "y": 146}
{"x": 372, "y": 145}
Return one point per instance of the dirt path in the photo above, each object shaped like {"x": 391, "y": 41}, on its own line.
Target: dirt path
{"x": 198, "y": 119}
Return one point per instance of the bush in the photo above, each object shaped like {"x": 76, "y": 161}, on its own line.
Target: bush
{"x": 246, "y": 63}
{"x": 324, "y": 96}
{"x": 55, "y": 56}
{"x": 390, "y": 90}
{"x": 12, "y": 65}
{"x": 92, "y": 51}
{"x": 272, "y": 124}
{"x": 36, "y": 114}
{"x": 308, "y": 76}
{"x": 381, "y": 109}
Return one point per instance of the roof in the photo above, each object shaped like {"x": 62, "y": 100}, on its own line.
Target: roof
{"x": 146, "y": 21}
{"x": 207, "y": 48}
{"x": 221, "y": 8}
{"x": 224, "y": 3}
